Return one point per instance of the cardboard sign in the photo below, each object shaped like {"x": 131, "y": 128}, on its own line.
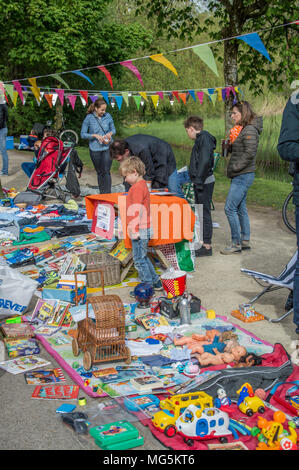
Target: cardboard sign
{"x": 103, "y": 219}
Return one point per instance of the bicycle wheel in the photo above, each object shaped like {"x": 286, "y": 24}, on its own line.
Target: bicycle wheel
{"x": 69, "y": 137}
{"x": 288, "y": 213}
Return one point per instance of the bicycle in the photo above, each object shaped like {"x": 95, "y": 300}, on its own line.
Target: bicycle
{"x": 68, "y": 136}
{"x": 288, "y": 212}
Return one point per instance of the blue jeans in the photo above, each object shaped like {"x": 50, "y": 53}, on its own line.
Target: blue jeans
{"x": 296, "y": 278}
{"x": 142, "y": 263}
{"x": 28, "y": 168}
{"x": 174, "y": 184}
{"x": 3, "y": 151}
{"x": 183, "y": 178}
{"x": 102, "y": 163}
{"x": 235, "y": 207}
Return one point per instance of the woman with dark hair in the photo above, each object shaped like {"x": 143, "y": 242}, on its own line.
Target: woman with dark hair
{"x": 243, "y": 144}
{"x": 98, "y": 128}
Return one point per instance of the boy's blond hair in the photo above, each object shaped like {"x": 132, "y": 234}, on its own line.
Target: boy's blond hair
{"x": 130, "y": 164}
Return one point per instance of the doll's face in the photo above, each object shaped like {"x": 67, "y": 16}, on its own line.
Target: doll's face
{"x": 221, "y": 393}
{"x": 238, "y": 352}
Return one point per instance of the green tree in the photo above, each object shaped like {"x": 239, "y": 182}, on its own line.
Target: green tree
{"x": 231, "y": 18}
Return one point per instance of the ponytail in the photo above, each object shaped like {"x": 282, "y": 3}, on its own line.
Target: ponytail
{"x": 99, "y": 102}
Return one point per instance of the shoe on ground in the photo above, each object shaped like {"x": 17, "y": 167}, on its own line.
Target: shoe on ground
{"x": 3, "y": 174}
{"x": 245, "y": 245}
{"x": 203, "y": 251}
{"x": 231, "y": 249}
{"x": 158, "y": 286}
{"x": 289, "y": 303}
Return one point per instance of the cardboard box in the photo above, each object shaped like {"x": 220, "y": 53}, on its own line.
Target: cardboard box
{"x": 67, "y": 295}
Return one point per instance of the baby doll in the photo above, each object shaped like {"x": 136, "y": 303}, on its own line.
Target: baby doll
{"x": 232, "y": 353}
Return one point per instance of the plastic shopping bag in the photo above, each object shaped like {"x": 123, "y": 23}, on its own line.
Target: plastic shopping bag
{"x": 16, "y": 291}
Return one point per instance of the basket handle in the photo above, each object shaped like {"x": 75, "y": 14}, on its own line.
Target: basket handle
{"x": 98, "y": 270}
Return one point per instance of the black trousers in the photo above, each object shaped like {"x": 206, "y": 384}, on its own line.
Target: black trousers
{"x": 102, "y": 164}
{"x": 204, "y": 197}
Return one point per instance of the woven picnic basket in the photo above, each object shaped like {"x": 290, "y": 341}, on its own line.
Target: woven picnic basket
{"x": 109, "y": 264}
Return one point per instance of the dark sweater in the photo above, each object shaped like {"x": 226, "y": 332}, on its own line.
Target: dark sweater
{"x": 202, "y": 158}
{"x": 156, "y": 154}
{"x": 3, "y": 116}
{"x": 288, "y": 142}
{"x": 244, "y": 149}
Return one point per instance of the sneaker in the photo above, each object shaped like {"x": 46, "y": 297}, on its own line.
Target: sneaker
{"x": 233, "y": 248}
{"x": 3, "y": 174}
{"x": 245, "y": 245}
{"x": 158, "y": 286}
{"x": 203, "y": 251}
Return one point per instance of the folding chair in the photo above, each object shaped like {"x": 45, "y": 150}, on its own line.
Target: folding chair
{"x": 284, "y": 279}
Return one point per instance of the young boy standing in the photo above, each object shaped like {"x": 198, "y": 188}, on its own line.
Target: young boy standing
{"x": 201, "y": 175}
{"x": 138, "y": 219}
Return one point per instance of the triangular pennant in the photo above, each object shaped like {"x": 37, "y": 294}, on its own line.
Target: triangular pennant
{"x": 84, "y": 94}
{"x": 9, "y": 89}
{"x": 253, "y": 40}
{"x": 93, "y": 98}
{"x": 72, "y": 100}
{"x": 25, "y": 95}
{"x": 107, "y": 74}
{"x": 223, "y": 91}
{"x": 80, "y": 74}
{"x": 192, "y": 93}
{"x": 162, "y": 60}
{"x": 213, "y": 98}
{"x": 205, "y": 53}
{"x": 137, "y": 99}
{"x": 105, "y": 96}
{"x": 183, "y": 97}
{"x": 219, "y": 92}
{"x": 130, "y": 66}
{"x": 143, "y": 94}
{"x": 176, "y": 94}
{"x": 60, "y": 93}
{"x": 125, "y": 95}
{"x": 36, "y": 93}
{"x": 18, "y": 87}
{"x": 119, "y": 101}
{"x": 3, "y": 96}
{"x": 160, "y": 94}
{"x": 54, "y": 98}
{"x": 32, "y": 82}
{"x": 15, "y": 97}
{"x": 155, "y": 99}
{"x": 200, "y": 96}
{"x": 49, "y": 98}
{"x": 55, "y": 75}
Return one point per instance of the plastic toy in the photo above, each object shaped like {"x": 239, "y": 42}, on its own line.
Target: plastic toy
{"x": 141, "y": 402}
{"x": 190, "y": 369}
{"x": 173, "y": 407}
{"x": 249, "y": 403}
{"x": 77, "y": 420}
{"x": 143, "y": 293}
{"x": 197, "y": 424}
{"x": 222, "y": 401}
{"x": 271, "y": 434}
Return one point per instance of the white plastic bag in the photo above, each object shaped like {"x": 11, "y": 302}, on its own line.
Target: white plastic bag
{"x": 16, "y": 291}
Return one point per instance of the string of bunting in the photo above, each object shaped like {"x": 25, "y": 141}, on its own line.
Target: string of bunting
{"x": 14, "y": 88}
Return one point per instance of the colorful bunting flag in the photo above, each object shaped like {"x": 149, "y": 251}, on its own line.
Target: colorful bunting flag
{"x": 49, "y": 98}
{"x": 155, "y": 99}
{"x": 183, "y": 97}
{"x": 137, "y": 99}
{"x": 143, "y": 94}
{"x": 160, "y": 94}
{"x": 125, "y": 95}
{"x": 192, "y": 93}
{"x": 18, "y": 87}
{"x": 130, "y": 66}
{"x": 105, "y": 96}
{"x": 176, "y": 94}
{"x": 72, "y": 100}
{"x": 80, "y": 74}
{"x": 162, "y": 60}
{"x": 84, "y": 94}
{"x": 119, "y": 101}
{"x": 35, "y": 90}
{"x": 60, "y": 93}
{"x": 200, "y": 96}
{"x": 9, "y": 89}
{"x": 15, "y": 97}
{"x": 205, "y": 53}
{"x": 255, "y": 42}
{"x": 58, "y": 77}
{"x": 93, "y": 98}
{"x": 107, "y": 74}
{"x": 3, "y": 96}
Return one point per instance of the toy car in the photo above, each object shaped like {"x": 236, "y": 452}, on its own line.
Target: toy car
{"x": 251, "y": 405}
{"x": 77, "y": 420}
{"x": 197, "y": 424}
{"x": 172, "y": 407}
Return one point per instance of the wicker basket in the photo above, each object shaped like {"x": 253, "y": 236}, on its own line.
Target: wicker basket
{"x": 109, "y": 264}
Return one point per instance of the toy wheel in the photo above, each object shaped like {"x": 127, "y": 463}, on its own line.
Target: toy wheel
{"x": 170, "y": 431}
{"x": 188, "y": 441}
{"x": 223, "y": 440}
{"x": 261, "y": 410}
{"x": 87, "y": 360}
{"x": 75, "y": 347}
{"x": 129, "y": 358}
{"x": 249, "y": 412}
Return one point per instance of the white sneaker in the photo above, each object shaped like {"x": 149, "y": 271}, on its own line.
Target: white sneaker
{"x": 233, "y": 248}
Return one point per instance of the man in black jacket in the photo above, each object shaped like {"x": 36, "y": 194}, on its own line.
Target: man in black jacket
{"x": 202, "y": 176}
{"x": 157, "y": 156}
{"x": 288, "y": 149}
{"x": 3, "y": 134}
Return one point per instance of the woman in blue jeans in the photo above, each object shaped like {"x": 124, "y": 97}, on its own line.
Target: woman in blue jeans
{"x": 98, "y": 128}
{"x": 244, "y": 139}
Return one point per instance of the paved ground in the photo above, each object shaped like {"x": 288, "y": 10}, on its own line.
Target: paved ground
{"x": 33, "y": 424}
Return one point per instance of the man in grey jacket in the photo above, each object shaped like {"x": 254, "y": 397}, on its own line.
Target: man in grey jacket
{"x": 3, "y": 134}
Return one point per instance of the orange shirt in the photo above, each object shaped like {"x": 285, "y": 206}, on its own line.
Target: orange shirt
{"x": 138, "y": 207}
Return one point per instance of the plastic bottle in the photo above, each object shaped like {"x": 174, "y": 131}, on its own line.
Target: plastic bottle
{"x": 185, "y": 309}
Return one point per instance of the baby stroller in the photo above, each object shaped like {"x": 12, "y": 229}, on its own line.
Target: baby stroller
{"x": 52, "y": 161}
